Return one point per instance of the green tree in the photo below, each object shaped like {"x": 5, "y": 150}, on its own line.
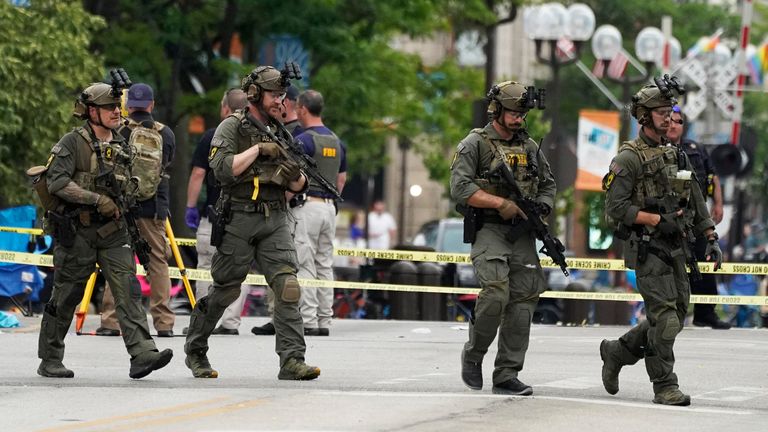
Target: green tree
{"x": 45, "y": 62}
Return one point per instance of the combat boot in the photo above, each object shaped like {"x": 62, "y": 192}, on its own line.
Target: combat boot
{"x": 672, "y": 396}
{"x": 472, "y": 373}
{"x": 148, "y": 361}
{"x": 198, "y": 363}
{"x": 614, "y": 356}
{"x": 54, "y": 369}
{"x": 295, "y": 369}
{"x": 513, "y": 387}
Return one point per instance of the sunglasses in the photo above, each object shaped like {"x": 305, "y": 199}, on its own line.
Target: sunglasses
{"x": 110, "y": 107}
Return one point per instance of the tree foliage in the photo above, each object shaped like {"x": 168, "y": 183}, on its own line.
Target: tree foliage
{"x": 45, "y": 62}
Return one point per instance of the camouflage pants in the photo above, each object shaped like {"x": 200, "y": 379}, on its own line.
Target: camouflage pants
{"x": 511, "y": 279}
{"x": 267, "y": 239}
{"x": 72, "y": 267}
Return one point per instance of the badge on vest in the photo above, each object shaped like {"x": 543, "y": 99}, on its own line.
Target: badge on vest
{"x": 520, "y": 158}
{"x": 108, "y": 153}
{"x": 329, "y": 152}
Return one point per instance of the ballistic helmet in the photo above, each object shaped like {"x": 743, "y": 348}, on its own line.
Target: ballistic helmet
{"x": 648, "y": 98}
{"x": 97, "y": 94}
{"x": 508, "y": 95}
{"x": 263, "y": 78}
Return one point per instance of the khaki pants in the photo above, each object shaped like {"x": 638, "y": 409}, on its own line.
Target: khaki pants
{"x": 318, "y": 220}
{"x": 153, "y": 231}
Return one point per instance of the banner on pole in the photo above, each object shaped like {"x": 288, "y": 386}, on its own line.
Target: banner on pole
{"x": 597, "y": 143}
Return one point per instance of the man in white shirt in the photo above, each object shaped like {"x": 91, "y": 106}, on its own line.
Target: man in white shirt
{"x": 381, "y": 227}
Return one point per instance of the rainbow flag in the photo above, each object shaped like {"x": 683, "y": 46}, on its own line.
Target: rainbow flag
{"x": 705, "y": 44}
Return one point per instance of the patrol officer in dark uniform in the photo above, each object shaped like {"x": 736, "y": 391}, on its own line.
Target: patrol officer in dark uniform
{"x": 90, "y": 230}
{"x": 650, "y": 198}
{"x": 254, "y": 177}
{"x": 703, "y": 313}
{"x": 508, "y": 269}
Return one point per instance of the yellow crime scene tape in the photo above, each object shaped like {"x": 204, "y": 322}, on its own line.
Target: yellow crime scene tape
{"x": 255, "y": 279}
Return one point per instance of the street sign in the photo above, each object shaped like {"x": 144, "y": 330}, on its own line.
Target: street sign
{"x": 725, "y": 74}
{"x": 724, "y": 102}
{"x": 694, "y": 70}
{"x": 695, "y": 103}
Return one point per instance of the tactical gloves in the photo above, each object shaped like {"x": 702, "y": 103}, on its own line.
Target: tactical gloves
{"x": 713, "y": 253}
{"x": 290, "y": 170}
{"x": 192, "y": 217}
{"x": 106, "y": 206}
{"x": 667, "y": 224}
{"x": 509, "y": 210}
{"x": 269, "y": 149}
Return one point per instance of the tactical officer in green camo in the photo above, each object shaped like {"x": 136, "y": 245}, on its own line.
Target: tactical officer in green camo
{"x": 89, "y": 230}
{"x": 646, "y": 173}
{"x": 508, "y": 270}
{"x": 254, "y": 178}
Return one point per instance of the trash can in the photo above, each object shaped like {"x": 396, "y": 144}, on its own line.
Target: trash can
{"x": 613, "y": 312}
{"x": 405, "y": 305}
{"x": 431, "y": 305}
{"x": 577, "y": 312}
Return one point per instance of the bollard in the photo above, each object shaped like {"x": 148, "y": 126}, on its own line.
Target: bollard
{"x": 405, "y": 305}
{"x": 432, "y": 305}
{"x": 577, "y": 312}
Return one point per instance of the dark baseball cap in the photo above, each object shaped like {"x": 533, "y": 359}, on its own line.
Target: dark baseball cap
{"x": 292, "y": 93}
{"x": 140, "y": 95}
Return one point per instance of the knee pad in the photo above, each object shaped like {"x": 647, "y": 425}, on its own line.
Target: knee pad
{"x": 289, "y": 289}
{"x": 669, "y": 326}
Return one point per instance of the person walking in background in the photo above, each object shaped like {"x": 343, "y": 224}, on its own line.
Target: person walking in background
{"x": 504, "y": 249}
{"x": 156, "y": 145}
{"x": 233, "y": 100}
{"x": 382, "y": 228}
{"x": 646, "y": 183}
{"x": 317, "y": 216}
{"x": 90, "y": 229}
{"x": 703, "y": 313}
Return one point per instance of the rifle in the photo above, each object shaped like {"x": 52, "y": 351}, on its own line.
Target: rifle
{"x": 292, "y": 150}
{"x": 670, "y": 204}
{"x": 552, "y": 246}
{"x": 106, "y": 181}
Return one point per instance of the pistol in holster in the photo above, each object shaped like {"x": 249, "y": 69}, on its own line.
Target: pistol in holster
{"x": 221, "y": 216}
{"x": 473, "y": 222}
{"x": 64, "y": 230}
{"x": 642, "y": 246}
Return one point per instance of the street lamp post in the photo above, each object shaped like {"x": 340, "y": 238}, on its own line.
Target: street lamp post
{"x": 649, "y": 48}
{"x": 564, "y": 31}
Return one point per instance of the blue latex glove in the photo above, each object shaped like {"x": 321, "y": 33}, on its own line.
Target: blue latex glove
{"x": 192, "y": 217}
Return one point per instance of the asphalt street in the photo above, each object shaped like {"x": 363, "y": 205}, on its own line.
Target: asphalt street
{"x": 381, "y": 376}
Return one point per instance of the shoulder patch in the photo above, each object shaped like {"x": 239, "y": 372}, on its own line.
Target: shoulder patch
{"x": 217, "y": 141}
{"x": 56, "y": 149}
{"x": 615, "y": 168}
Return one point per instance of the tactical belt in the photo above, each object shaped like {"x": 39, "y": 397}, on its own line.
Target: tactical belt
{"x": 258, "y": 206}
{"x": 320, "y": 199}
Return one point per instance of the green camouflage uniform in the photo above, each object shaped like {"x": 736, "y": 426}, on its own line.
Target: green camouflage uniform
{"x": 258, "y": 230}
{"x": 509, "y": 272}
{"x": 98, "y": 240}
{"x": 643, "y": 169}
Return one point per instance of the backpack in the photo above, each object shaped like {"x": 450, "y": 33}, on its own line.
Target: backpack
{"x": 148, "y": 164}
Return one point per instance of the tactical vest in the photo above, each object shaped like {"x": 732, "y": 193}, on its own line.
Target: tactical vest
{"x": 659, "y": 175}
{"x": 521, "y": 157}
{"x": 116, "y": 155}
{"x": 248, "y": 135}
{"x": 328, "y": 158}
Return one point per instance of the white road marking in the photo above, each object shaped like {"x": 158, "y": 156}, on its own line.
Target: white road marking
{"x": 578, "y": 383}
{"x": 733, "y": 394}
{"x": 648, "y": 405}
